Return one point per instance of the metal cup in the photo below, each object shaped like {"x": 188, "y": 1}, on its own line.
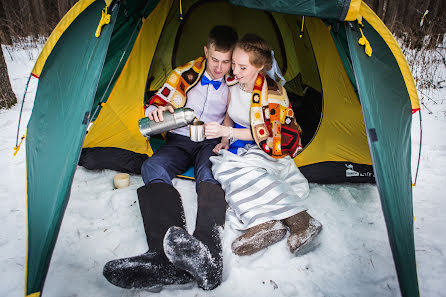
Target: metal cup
{"x": 197, "y": 131}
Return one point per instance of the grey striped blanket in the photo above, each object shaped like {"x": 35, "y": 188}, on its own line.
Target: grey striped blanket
{"x": 259, "y": 188}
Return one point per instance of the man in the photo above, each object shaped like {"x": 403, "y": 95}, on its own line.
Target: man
{"x": 175, "y": 256}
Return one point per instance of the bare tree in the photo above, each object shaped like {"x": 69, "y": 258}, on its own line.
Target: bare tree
{"x": 62, "y": 7}
{"x": 40, "y": 16}
{"x": 414, "y": 21}
{"x": 7, "y": 96}
{"x": 7, "y": 21}
{"x": 5, "y": 36}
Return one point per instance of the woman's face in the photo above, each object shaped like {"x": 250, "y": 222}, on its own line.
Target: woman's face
{"x": 244, "y": 71}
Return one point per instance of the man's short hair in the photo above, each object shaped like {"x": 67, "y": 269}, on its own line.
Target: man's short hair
{"x": 223, "y": 38}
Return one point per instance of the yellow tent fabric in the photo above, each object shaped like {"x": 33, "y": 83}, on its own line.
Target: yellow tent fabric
{"x": 175, "y": 49}
{"x": 301, "y": 59}
{"x": 353, "y": 10}
{"x": 341, "y": 135}
{"x": 117, "y": 123}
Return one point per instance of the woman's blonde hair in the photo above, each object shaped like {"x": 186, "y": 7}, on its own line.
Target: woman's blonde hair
{"x": 258, "y": 50}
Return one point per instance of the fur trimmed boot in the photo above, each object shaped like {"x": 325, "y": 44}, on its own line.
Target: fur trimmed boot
{"x": 258, "y": 237}
{"x": 303, "y": 229}
{"x": 161, "y": 208}
{"x": 200, "y": 254}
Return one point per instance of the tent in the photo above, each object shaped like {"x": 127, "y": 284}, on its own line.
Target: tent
{"x": 347, "y": 79}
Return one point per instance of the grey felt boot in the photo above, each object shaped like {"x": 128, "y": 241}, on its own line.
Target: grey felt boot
{"x": 303, "y": 229}
{"x": 258, "y": 237}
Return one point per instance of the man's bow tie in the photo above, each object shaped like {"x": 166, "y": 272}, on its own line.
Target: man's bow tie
{"x": 206, "y": 81}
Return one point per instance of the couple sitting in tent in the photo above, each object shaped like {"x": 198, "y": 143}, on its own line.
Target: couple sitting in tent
{"x": 245, "y": 161}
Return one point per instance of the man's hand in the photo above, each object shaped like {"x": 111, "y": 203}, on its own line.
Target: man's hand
{"x": 215, "y": 130}
{"x": 221, "y": 146}
{"x": 157, "y": 114}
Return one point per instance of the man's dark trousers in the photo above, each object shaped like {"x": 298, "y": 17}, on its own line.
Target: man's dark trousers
{"x": 176, "y": 156}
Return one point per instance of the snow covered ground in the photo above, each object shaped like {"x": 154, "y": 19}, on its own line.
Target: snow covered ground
{"x": 100, "y": 224}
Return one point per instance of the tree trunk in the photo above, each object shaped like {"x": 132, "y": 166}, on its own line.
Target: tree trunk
{"x": 382, "y": 9}
{"x": 7, "y": 96}
{"x": 25, "y": 18}
{"x": 9, "y": 19}
{"x": 39, "y": 16}
{"x": 390, "y": 14}
{"x": 62, "y": 7}
{"x": 5, "y": 35}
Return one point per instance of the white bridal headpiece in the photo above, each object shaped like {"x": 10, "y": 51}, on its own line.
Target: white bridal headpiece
{"x": 275, "y": 72}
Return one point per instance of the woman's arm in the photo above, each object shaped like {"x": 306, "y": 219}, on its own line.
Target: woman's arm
{"x": 214, "y": 130}
{"x": 242, "y": 133}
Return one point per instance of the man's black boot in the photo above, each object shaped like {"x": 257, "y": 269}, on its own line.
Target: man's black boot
{"x": 151, "y": 270}
{"x": 200, "y": 254}
{"x": 161, "y": 208}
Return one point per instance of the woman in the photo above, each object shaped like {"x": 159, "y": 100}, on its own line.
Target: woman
{"x": 264, "y": 189}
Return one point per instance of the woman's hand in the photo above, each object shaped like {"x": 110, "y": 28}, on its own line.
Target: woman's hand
{"x": 220, "y": 146}
{"x": 215, "y": 130}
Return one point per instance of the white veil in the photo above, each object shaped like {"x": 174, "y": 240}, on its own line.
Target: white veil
{"x": 275, "y": 72}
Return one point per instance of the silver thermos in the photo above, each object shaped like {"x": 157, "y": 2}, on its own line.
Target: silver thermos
{"x": 179, "y": 118}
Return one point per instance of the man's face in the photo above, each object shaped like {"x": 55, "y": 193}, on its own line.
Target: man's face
{"x": 218, "y": 63}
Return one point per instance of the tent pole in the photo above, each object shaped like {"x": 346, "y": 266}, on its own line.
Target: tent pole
{"x": 117, "y": 66}
{"x": 21, "y": 111}
{"x": 419, "y": 151}
{"x": 114, "y": 73}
